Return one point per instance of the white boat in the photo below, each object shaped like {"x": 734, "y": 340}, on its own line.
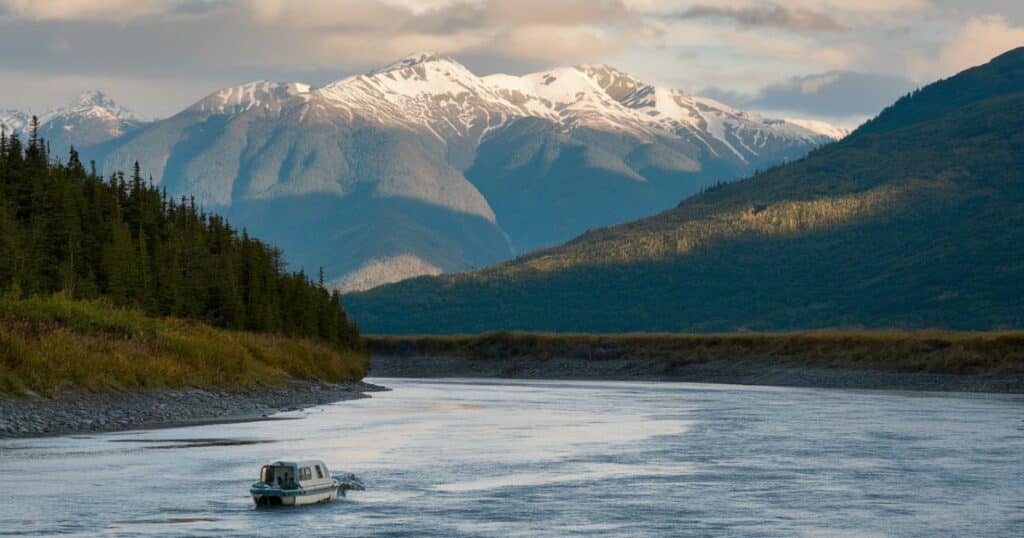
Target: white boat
{"x": 295, "y": 483}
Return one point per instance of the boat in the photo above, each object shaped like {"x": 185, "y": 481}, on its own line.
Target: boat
{"x": 295, "y": 483}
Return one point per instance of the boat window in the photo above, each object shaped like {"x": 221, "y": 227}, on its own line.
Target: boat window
{"x": 305, "y": 474}
{"x": 265, "y": 475}
{"x": 319, "y": 472}
{"x": 281, "y": 476}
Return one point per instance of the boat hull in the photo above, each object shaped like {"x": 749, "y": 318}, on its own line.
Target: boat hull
{"x": 266, "y": 497}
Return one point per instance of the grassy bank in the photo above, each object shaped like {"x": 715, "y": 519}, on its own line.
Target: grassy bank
{"x": 53, "y": 343}
{"x": 926, "y": 351}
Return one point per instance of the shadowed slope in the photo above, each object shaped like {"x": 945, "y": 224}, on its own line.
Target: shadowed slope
{"x": 916, "y": 220}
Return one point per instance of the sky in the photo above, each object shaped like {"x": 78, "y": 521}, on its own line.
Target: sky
{"x": 839, "y": 61}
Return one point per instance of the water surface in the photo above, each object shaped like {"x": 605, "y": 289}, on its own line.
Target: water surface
{"x": 529, "y": 458}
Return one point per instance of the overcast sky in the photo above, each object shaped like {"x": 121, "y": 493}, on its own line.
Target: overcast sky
{"x": 838, "y": 60}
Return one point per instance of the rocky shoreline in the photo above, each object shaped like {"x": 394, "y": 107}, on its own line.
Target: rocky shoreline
{"x": 162, "y": 408}
{"x": 739, "y": 372}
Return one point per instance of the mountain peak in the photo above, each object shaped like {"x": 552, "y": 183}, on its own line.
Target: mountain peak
{"x": 429, "y": 91}
{"x": 12, "y": 121}
{"x": 615, "y": 83}
{"x": 94, "y": 98}
{"x": 92, "y": 103}
{"x": 414, "y": 59}
{"x": 820, "y": 127}
{"x": 258, "y": 93}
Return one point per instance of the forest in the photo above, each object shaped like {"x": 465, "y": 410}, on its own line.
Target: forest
{"x": 66, "y": 229}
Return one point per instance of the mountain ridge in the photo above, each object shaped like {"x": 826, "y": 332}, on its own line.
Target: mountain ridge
{"x": 523, "y": 161}
{"x": 91, "y": 118}
{"x": 870, "y": 231}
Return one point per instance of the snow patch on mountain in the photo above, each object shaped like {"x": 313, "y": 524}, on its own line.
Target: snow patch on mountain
{"x": 92, "y": 103}
{"x": 91, "y": 106}
{"x": 434, "y": 93}
{"x": 425, "y": 91}
{"x": 820, "y": 127}
{"x": 13, "y": 121}
{"x": 380, "y": 271}
{"x": 601, "y": 97}
{"x": 244, "y": 97}
{"x": 91, "y": 118}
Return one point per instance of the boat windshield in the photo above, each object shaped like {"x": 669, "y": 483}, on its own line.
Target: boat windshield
{"x": 281, "y": 476}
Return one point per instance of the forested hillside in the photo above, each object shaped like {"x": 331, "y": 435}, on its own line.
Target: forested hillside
{"x": 915, "y": 220}
{"x": 63, "y": 228}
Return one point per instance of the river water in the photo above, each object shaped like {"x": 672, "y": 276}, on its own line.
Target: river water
{"x": 511, "y": 458}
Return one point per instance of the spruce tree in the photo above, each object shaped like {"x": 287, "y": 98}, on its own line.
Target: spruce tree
{"x": 63, "y": 228}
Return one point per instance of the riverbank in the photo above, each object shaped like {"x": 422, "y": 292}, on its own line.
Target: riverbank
{"x": 54, "y": 345}
{"x": 73, "y": 366}
{"x": 931, "y": 361}
{"x": 738, "y": 372}
{"x": 82, "y": 412}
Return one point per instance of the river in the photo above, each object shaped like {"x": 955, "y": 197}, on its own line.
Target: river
{"x": 555, "y": 458}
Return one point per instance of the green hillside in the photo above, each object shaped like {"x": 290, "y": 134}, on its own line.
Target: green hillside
{"x": 109, "y": 284}
{"x": 54, "y": 343}
{"x": 66, "y": 229}
{"x": 915, "y": 220}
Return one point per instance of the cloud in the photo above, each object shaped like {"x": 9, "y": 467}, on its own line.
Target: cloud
{"x": 221, "y": 42}
{"x": 795, "y": 49}
{"x": 832, "y": 94}
{"x": 863, "y": 7}
{"x": 769, "y": 16}
{"x": 979, "y": 40}
{"x": 85, "y": 10}
{"x": 534, "y": 30}
{"x": 738, "y": 44}
{"x": 814, "y": 83}
{"x": 296, "y": 35}
{"x": 838, "y": 8}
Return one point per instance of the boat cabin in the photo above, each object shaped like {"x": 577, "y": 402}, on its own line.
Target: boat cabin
{"x": 294, "y": 483}
{"x": 295, "y": 474}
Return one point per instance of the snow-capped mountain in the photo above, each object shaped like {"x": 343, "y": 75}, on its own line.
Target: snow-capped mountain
{"x": 422, "y": 166}
{"x": 91, "y": 104}
{"x": 821, "y": 127}
{"x": 603, "y": 98}
{"x": 13, "y": 121}
{"x": 437, "y": 94}
{"x": 260, "y": 94}
{"x": 91, "y": 118}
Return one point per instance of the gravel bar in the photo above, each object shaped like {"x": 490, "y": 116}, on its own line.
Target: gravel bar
{"x": 161, "y": 408}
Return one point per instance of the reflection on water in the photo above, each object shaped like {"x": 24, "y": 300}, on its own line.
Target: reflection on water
{"x": 165, "y": 444}
{"x": 472, "y": 458}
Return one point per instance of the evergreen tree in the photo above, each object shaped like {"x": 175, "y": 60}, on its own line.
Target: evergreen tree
{"x": 64, "y": 228}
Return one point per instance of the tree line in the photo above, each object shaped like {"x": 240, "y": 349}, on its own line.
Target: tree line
{"x": 64, "y": 228}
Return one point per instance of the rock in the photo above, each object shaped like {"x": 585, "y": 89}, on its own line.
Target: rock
{"x": 106, "y": 412}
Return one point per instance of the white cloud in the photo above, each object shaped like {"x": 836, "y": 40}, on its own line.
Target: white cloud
{"x": 979, "y": 40}
{"x": 863, "y": 7}
{"x": 217, "y": 42}
{"x": 367, "y": 32}
{"x": 831, "y": 7}
{"x": 102, "y": 10}
{"x": 813, "y": 84}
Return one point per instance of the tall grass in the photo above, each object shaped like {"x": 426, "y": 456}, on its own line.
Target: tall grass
{"x": 52, "y": 343}
{"x": 920, "y": 351}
